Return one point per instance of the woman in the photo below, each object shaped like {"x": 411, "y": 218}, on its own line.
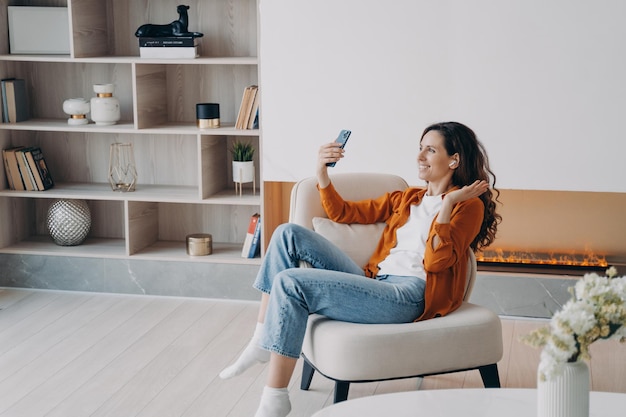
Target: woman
{"x": 418, "y": 268}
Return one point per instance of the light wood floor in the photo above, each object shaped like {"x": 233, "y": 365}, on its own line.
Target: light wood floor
{"x": 74, "y": 354}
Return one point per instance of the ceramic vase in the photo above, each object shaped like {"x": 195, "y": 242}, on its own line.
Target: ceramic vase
{"x": 243, "y": 172}
{"x": 76, "y": 108}
{"x": 105, "y": 109}
{"x": 565, "y": 395}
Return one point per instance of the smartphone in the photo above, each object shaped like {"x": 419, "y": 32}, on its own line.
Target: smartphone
{"x": 342, "y": 138}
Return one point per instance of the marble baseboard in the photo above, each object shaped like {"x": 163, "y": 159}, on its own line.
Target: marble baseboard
{"x": 521, "y": 295}
{"x": 184, "y": 279}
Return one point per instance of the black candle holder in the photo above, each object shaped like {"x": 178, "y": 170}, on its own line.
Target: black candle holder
{"x": 208, "y": 115}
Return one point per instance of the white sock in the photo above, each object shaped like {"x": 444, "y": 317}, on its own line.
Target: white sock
{"x": 274, "y": 403}
{"x": 251, "y": 355}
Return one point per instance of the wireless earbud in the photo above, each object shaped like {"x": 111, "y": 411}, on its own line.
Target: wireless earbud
{"x": 451, "y": 164}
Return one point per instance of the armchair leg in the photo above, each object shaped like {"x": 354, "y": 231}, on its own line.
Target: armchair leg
{"x": 341, "y": 391}
{"x": 307, "y": 375}
{"x": 490, "y": 376}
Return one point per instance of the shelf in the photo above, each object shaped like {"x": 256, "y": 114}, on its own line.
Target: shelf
{"x": 151, "y": 193}
{"x": 245, "y": 60}
{"x": 60, "y": 125}
{"x": 228, "y": 253}
{"x": 102, "y": 191}
{"x": 184, "y": 173}
{"x": 229, "y": 197}
{"x": 90, "y": 248}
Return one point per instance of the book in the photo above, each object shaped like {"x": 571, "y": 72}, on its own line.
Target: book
{"x": 255, "y": 247}
{"x": 5, "y": 108}
{"x": 25, "y": 172}
{"x": 12, "y": 169}
{"x": 247, "y": 101}
{"x": 253, "y": 122}
{"x": 250, "y": 105}
{"x": 2, "y": 105}
{"x": 38, "y": 167}
{"x": 242, "y": 106}
{"x": 16, "y": 100}
{"x": 7, "y": 170}
{"x": 250, "y": 248}
{"x": 22, "y": 106}
{"x": 168, "y": 52}
{"x": 171, "y": 41}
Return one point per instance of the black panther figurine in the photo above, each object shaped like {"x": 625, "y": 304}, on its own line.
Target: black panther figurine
{"x": 176, "y": 28}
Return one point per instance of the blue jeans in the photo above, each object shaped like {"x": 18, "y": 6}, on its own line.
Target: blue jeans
{"x": 335, "y": 287}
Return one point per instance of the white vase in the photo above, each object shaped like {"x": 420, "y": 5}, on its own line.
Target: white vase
{"x": 77, "y": 108}
{"x": 105, "y": 109}
{"x": 565, "y": 395}
{"x": 243, "y": 171}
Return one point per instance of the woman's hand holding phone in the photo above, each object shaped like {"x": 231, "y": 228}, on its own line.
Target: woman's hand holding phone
{"x": 328, "y": 156}
{"x": 341, "y": 142}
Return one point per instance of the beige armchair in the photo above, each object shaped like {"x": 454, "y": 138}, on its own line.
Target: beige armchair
{"x": 468, "y": 338}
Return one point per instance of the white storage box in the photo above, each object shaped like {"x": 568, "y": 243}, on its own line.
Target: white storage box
{"x": 38, "y": 30}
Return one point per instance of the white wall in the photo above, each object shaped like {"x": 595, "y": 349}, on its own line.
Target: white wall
{"x": 542, "y": 82}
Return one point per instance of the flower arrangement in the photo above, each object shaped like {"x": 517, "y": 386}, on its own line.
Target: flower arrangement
{"x": 597, "y": 310}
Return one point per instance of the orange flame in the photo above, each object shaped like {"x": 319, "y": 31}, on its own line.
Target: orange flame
{"x": 535, "y": 258}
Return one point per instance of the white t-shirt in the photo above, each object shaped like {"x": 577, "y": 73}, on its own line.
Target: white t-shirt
{"x": 406, "y": 258}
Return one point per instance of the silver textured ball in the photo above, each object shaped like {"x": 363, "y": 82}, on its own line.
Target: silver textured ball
{"x": 69, "y": 222}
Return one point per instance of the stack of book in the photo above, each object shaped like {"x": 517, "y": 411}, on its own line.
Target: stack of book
{"x": 14, "y": 100}
{"x": 251, "y": 244}
{"x": 26, "y": 169}
{"x": 248, "y": 117}
{"x": 175, "y": 47}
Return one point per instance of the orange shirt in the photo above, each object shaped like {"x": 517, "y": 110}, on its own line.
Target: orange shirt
{"x": 445, "y": 265}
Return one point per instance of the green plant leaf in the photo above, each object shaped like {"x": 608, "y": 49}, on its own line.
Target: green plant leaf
{"x": 242, "y": 151}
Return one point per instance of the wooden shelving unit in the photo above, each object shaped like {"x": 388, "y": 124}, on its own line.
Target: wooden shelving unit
{"x": 184, "y": 173}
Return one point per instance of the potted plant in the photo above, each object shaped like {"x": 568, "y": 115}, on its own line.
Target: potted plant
{"x": 243, "y": 164}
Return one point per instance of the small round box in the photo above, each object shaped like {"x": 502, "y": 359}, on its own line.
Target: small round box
{"x": 199, "y": 244}
{"x": 208, "y": 115}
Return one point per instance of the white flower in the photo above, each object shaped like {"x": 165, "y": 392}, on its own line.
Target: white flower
{"x": 576, "y": 316}
{"x": 596, "y": 311}
{"x": 618, "y": 285}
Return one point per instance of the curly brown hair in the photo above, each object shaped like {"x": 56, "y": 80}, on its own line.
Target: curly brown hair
{"x": 474, "y": 165}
